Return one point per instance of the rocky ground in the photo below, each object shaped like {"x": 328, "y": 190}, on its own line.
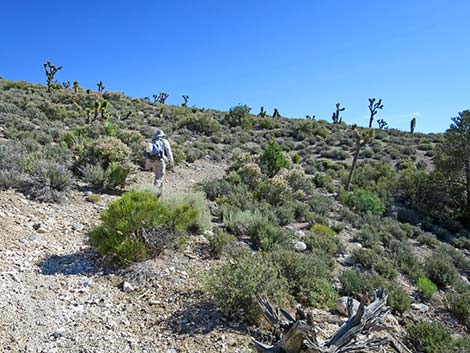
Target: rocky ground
{"x": 57, "y": 296}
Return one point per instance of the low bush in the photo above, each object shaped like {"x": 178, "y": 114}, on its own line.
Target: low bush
{"x": 126, "y": 222}
{"x": 458, "y": 303}
{"x": 218, "y": 241}
{"x": 355, "y": 283}
{"x": 431, "y": 337}
{"x": 198, "y": 203}
{"x": 235, "y": 284}
{"x": 365, "y": 201}
{"x": 324, "y": 239}
{"x": 440, "y": 269}
{"x": 426, "y": 287}
{"x": 398, "y": 300}
{"x": 49, "y": 180}
{"x": 309, "y": 277}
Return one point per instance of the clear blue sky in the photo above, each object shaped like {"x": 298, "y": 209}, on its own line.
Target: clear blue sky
{"x": 301, "y": 56}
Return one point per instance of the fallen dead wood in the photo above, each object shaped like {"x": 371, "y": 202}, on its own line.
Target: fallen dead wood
{"x": 298, "y": 334}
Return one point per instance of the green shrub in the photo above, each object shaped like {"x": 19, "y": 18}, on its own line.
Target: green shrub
{"x": 235, "y": 284}
{"x": 218, "y": 241}
{"x": 105, "y": 179}
{"x": 296, "y": 158}
{"x": 371, "y": 260}
{"x": 430, "y": 337}
{"x": 324, "y": 239}
{"x": 398, "y": 300}
{"x": 272, "y": 160}
{"x": 106, "y": 150}
{"x": 458, "y": 302}
{"x": 365, "y": 201}
{"x": 322, "y": 229}
{"x": 426, "y": 287}
{"x": 355, "y": 283}
{"x": 122, "y": 236}
{"x": 198, "y": 203}
{"x": 440, "y": 269}
{"x": 309, "y": 277}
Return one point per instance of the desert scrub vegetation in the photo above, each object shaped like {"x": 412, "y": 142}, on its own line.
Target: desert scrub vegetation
{"x": 235, "y": 284}
{"x": 433, "y": 337}
{"x": 139, "y": 225}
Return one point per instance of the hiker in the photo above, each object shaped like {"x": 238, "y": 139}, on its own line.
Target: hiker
{"x": 158, "y": 155}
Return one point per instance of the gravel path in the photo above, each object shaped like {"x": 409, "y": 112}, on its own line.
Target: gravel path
{"x": 55, "y": 296}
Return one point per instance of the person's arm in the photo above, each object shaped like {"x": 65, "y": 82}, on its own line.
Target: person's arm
{"x": 169, "y": 154}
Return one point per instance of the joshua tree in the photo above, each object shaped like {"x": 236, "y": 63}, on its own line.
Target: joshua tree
{"x": 412, "y": 125}
{"x": 97, "y": 109}
{"x": 310, "y": 117}
{"x": 51, "y": 70}
{"x": 382, "y": 124}
{"x": 88, "y": 115}
{"x": 162, "y": 97}
{"x": 373, "y": 109}
{"x": 75, "y": 86}
{"x": 147, "y": 98}
{"x": 262, "y": 112}
{"x": 276, "y": 113}
{"x": 100, "y": 86}
{"x": 104, "y": 110}
{"x": 185, "y": 103}
{"x": 362, "y": 139}
{"x": 155, "y": 97}
{"x": 336, "y": 117}
{"x": 66, "y": 85}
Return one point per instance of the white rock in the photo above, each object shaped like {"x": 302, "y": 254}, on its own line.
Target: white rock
{"x": 127, "y": 287}
{"x": 342, "y": 306}
{"x": 300, "y": 246}
{"x": 420, "y": 307}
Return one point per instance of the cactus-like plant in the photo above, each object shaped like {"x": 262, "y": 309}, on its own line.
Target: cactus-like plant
{"x": 186, "y": 98}
{"x": 96, "y": 109}
{"x": 373, "y": 107}
{"x": 361, "y": 138}
{"x": 276, "y": 113}
{"x": 155, "y": 98}
{"x": 75, "y": 86}
{"x": 412, "y": 125}
{"x": 100, "y": 86}
{"x": 88, "y": 115}
{"x": 382, "y": 124}
{"x": 262, "y": 113}
{"x": 104, "y": 110}
{"x": 162, "y": 97}
{"x": 336, "y": 115}
{"x": 51, "y": 70}
{"x": 66, "y": 84}
{"x": 310, "y": 117}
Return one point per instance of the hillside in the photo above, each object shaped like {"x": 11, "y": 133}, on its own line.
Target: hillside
{"x": 256, "y": 204}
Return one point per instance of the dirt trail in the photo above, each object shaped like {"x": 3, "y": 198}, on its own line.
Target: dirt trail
{"x": 54, "y": 297}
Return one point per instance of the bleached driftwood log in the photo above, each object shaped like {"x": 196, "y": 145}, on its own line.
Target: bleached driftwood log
{"x": 298, "y": 335}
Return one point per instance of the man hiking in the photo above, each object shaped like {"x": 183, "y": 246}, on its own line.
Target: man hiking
{"x": 158, "y": 154}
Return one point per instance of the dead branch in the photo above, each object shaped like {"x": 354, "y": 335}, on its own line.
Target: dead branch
{"x": 298, "y": 335}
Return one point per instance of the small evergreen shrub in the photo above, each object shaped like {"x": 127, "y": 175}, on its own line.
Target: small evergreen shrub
{"x": 218, "y": 241}
{"x": 137, "y": 225}
{"x": 398, "y": 300}
{"x": 355, "y": 283}
{"x": 272, "y": 160}
{"x": 430, "y": 337}
{"x": 365, "y": 201}
{"x": 426, "y": 287}
{"x": 440, "y": 269}
{"x": 235, "y": 284}
{"x": 309, "y": 277}
{"x": 458, "y": 303}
